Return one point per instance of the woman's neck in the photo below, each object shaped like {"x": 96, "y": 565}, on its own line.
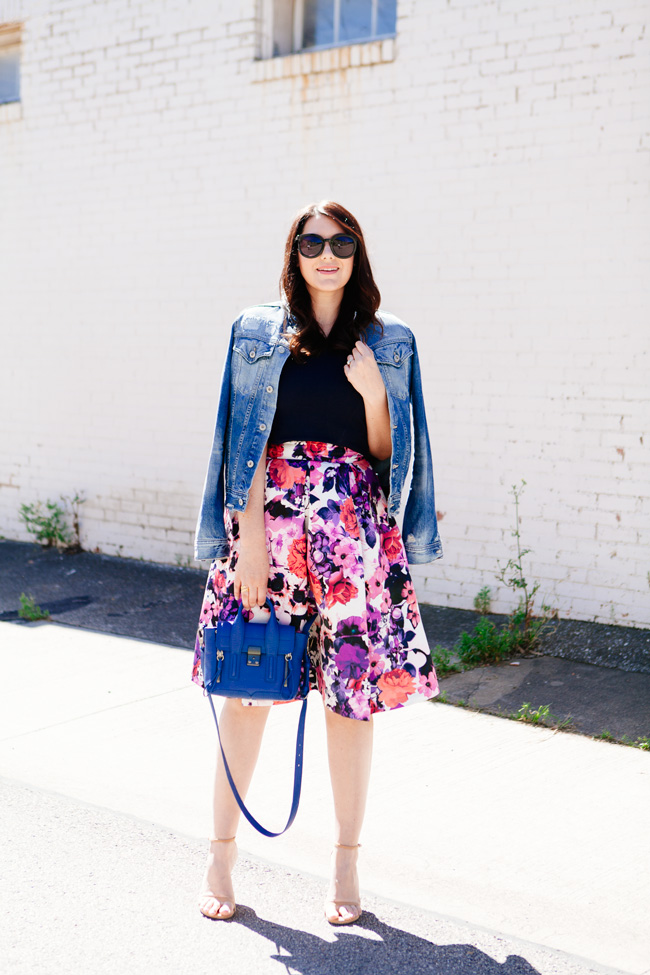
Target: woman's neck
{"x": 325, "y": 307}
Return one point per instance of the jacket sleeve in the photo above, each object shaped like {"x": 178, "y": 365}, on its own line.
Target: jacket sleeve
{"x": 420, "y": 525}
{"x": 210, "y": 540}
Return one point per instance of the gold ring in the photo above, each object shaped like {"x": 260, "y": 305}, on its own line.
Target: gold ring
{"x": 245, "y": 587}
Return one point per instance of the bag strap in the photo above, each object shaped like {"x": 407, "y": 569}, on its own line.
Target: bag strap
{"x": 297, "y": 778}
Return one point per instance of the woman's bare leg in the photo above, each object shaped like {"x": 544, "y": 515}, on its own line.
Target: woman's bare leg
{"x": 349, "y": 746}
{"x": 241, "y": 733}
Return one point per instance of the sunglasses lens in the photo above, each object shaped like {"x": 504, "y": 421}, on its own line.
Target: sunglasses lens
{"x": 310, "y": 245}
{"x": 343, "y": 245}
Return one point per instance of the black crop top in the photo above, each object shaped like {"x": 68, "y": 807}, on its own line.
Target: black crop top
{"x": 317, "y": 402}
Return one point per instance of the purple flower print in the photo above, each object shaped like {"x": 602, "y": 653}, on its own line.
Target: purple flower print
{"x": 359, "y": 705}
{"x": 351, "y": 626}
{"x": 370, "y": 533}
{"x": 331, "y": 512}
{"x": 351, "y": 660}
{"x": 319, "y": 553}
{"x": 345, "y": 554}
{"x": 331, "y": 499}
{"x": 373, "y": 622}
{"x": 376, "y": 664}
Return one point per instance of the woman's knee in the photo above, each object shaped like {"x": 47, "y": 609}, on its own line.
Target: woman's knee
{"x": 244, "y": 715}
{"x": 339, "y": 724}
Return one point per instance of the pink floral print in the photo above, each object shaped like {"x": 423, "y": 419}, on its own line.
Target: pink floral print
{"x": 334, "y": 549}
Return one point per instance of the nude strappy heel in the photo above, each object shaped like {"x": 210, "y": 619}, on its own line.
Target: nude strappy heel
{"x": 223, "y": 900}
{"x": 333, "y": 916}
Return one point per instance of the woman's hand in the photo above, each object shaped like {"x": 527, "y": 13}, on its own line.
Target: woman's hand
{"x": 363, "y": 372}
{"x": 252, "y": 569}
{"x": 252, "y": 572}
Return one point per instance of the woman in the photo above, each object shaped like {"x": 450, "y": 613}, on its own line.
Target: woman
{"x": 310, "y": 454}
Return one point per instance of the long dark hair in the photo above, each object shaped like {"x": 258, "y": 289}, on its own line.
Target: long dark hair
{"x": 361, "y": 296}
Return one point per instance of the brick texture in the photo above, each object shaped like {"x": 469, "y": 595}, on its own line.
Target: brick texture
{"x": 496, "y": 154}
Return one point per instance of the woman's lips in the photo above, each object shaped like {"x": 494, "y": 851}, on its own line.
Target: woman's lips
{"x": 327, "y": 270}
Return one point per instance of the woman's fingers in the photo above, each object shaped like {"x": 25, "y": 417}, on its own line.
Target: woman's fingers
{"x": 252, "y": 575}
{"x": 250, "y": 595}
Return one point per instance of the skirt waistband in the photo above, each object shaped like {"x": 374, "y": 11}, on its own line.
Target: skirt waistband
{"x": 316, "y": 450}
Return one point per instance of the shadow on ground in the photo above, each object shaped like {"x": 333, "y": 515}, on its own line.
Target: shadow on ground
{"x": 375, "y": 948}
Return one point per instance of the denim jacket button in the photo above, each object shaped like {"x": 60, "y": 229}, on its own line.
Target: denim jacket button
{"x": 241, "y": 500}
{"x": 269, "y": 389}
{"x": 395, "y": 466}
{"x": 249, "y": 463}
{"x": 262, "y": 426}
{"x": 252, "y": 353}
{"x": 282, "y": 349}
{"x": 396, "y": 357}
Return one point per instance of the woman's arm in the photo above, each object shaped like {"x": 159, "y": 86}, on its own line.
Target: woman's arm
{"x": 253, "y": 560}
{"x": 378, "y": 424}
{"x": 363, "y": 372}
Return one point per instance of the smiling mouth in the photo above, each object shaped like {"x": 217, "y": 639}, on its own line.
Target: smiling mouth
{"x": 327, "y": 270}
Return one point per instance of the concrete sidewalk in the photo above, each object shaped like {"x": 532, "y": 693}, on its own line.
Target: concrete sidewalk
{"x": 592, "y": 676}
{"x": 536, "y": 834}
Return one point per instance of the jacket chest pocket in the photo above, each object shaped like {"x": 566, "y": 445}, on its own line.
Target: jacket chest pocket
{"x": 394, "y": 360}
{"x": 250, "y": 356}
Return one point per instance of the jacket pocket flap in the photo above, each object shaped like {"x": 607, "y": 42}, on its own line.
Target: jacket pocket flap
{"x": 393, "y": 353}
{"x": 251, "y": 348}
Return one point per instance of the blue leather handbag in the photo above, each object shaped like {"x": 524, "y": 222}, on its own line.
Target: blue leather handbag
{"x": 264, "y": 662}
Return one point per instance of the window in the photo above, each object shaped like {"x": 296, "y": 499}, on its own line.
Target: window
{"x": 311, "y": 25}
{"x": 9, "y": 63}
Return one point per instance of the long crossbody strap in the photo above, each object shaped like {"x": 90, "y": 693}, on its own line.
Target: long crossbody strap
{"x": 297, "y": 778}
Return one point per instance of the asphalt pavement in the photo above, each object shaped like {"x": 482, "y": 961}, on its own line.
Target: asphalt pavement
{"x": 90, "y": 891}
{"x": 489, "y": 846}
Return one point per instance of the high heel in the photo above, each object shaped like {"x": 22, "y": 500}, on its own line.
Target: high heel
{"x": 222, "y": 900}
{"x": 333, "y": 907}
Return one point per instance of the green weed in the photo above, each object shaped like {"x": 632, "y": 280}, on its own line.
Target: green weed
{"x": 541, "y": 715}
{"x": 484, "y": 645}
{"x": 487, "y": 643}
{"x": 47, "y": 522}
{"x": 442, "y": 662}
{"x": 483, "y": 600}
{"x": 29, "y": 610}
{"x": 642, "y": 741}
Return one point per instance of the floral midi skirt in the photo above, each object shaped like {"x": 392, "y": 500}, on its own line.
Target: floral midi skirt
{"x": 335, "y": 550}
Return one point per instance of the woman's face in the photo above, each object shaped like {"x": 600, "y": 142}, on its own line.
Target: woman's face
{"x": 325, "y": 273}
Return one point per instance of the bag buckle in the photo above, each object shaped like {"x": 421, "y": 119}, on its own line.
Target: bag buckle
{"x": 287, "y": 657}
{"x": 220, "y": 656}
{"x": 253, "y": 656}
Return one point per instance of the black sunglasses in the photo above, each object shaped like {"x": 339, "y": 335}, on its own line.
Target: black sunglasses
{"x": 312, "y": 245}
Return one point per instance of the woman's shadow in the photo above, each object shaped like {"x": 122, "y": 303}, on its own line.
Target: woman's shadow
{"x": 387, "y": 951}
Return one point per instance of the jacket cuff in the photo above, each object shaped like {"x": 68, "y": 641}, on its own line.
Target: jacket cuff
{"x": 211, "y": 548}
{"x": 422, "y": 556}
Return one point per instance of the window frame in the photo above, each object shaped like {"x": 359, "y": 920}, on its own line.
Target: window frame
{"x": 11, "y": 41}
{"x": 298, "y": 21}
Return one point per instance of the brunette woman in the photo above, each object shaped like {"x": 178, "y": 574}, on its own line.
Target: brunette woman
{"x": 308, "y": 466}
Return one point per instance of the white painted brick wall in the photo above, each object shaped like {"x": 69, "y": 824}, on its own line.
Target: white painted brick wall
{"x": 497, "y": 157}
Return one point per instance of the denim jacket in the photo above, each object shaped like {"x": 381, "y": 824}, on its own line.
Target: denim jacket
{"x": 249, "y": 387}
